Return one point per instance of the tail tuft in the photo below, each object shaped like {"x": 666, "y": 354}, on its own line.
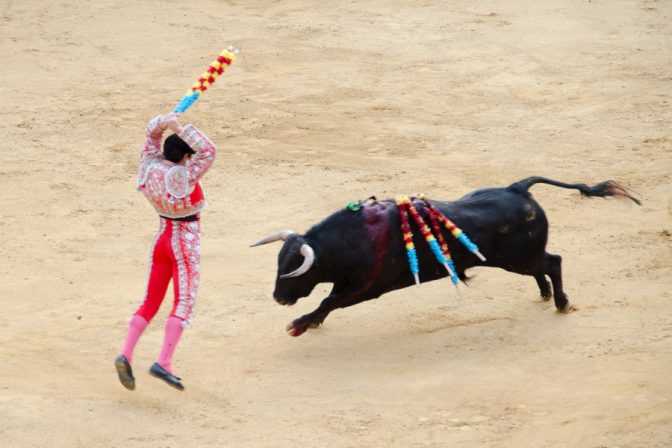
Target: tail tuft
{"x": 609, "y": 188}
{"x": 602, "y": 190}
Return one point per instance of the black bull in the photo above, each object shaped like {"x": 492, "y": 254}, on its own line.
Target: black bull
{"x": 363, "y": 254}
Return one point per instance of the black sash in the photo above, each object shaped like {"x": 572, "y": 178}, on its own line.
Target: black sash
{"x": 189, "y": 218}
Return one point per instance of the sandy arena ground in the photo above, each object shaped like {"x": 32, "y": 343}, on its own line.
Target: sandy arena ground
{"x": 330, "y": 102}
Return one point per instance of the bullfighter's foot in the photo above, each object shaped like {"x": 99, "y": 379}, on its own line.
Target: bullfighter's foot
{"x": 125, "y": 372}
{"x": 158, "y": 371}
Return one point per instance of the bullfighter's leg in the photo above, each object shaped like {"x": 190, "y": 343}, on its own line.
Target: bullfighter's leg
{"x": 544, "y": 286}
{"x": 553, "y": 268}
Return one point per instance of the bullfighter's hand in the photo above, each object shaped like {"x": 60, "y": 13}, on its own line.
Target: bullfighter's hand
{"x": 172, "y": 122}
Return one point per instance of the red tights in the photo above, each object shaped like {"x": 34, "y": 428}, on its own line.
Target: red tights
{"x": 175, "y": 255}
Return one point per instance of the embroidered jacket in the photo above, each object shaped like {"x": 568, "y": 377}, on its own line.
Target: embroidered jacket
{"x": 174, "y": 190}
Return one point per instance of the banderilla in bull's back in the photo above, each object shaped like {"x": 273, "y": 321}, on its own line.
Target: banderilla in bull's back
{"x": 368, "y": 248}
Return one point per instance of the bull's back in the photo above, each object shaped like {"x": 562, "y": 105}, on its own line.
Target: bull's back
{"x": 510, "y": 228}
{"x": 494, "y": 208}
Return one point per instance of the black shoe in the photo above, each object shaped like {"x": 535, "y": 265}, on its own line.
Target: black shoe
{"x": 166, "y": 376}
{"x": 125, "y": 372}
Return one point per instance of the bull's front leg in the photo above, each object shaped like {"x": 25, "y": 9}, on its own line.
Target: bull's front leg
{"x": 340, "y": 297}
{"x": 314, "y": 319}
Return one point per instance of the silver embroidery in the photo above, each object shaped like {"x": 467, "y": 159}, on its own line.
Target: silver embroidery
{"x": 177, "y": 181}
{"x": 143, "y": 173}
{"x": 187, "y": 257}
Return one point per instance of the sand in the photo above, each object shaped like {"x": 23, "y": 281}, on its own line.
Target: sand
{"x": 331, "y": 102}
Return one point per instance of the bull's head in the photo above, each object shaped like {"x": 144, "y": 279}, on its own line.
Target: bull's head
{"x": 297, "y": 273}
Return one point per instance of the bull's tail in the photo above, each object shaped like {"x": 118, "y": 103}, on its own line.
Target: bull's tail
{"x": 602, "y": 190}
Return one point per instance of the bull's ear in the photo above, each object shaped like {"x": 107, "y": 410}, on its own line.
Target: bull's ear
{"x": 309, "y": 258}
{"x": 281, "y": 235}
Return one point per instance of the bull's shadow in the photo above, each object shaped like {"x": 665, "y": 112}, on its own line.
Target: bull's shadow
{"x": 361, "y": 250}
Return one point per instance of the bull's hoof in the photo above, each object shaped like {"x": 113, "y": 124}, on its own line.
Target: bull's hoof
{"x": 568, "y": 308}
{"x": 295, "y": 330}
{"x": 561, "y": 302}
{"x": 546, "y": 296}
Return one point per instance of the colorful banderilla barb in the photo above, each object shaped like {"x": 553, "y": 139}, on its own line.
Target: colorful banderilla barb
{"x": 402, "y": 201}
{"x": 456, "y": 231}
{"x": 431, "y": 240}
{"x": 218, "y": 66}
{"x": 439, "y": 248}
{"x": 436, "y": 226}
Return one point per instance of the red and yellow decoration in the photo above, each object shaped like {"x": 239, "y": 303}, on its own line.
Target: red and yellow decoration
{"x": 439, "y": 248}
{"x": 208, "y": 78}
{"x": 402, "y": 203}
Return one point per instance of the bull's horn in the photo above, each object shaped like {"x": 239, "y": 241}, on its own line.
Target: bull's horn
{"x": 309, "y": 259}
{"x": 281, "y": 235}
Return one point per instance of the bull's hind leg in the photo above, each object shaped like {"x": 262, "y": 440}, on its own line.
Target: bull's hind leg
{"x": 544, "y": 286}
{"x": 553, "y": 268}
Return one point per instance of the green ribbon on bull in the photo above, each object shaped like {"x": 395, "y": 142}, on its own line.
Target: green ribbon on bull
{"x": 354, "y": 206}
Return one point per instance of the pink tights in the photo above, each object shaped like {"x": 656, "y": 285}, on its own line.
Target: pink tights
{"x": 136, "y": 327}
{"x": 170, "y": 339}
{"x": 172, "y": 335}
